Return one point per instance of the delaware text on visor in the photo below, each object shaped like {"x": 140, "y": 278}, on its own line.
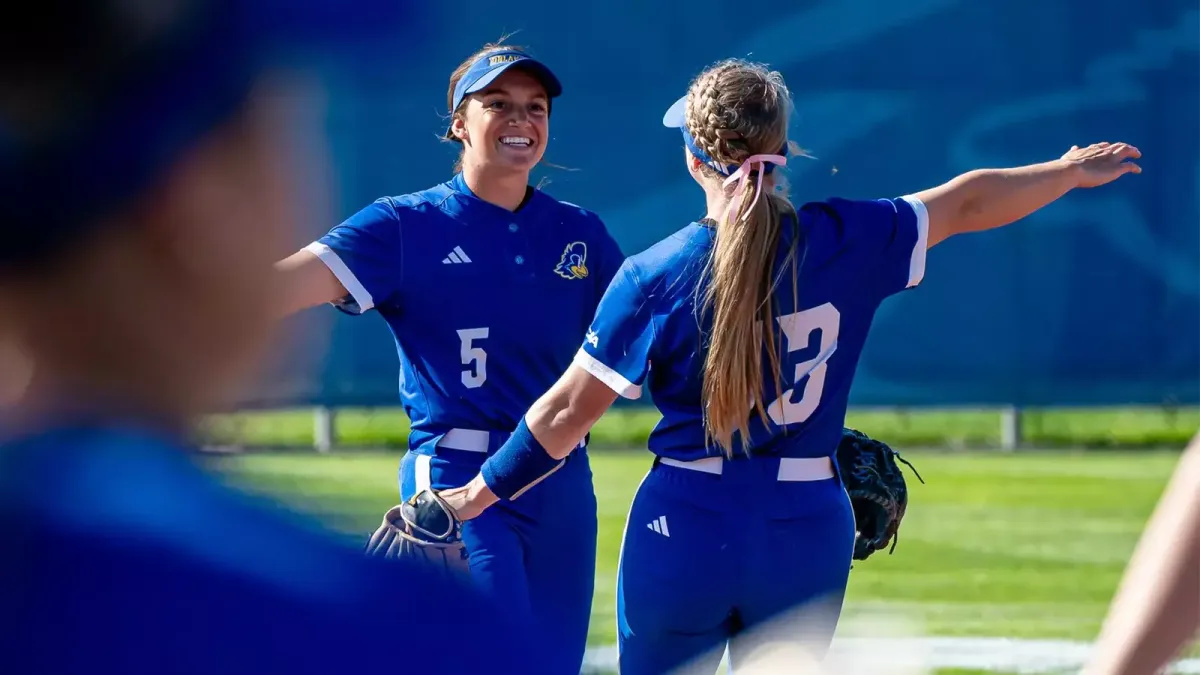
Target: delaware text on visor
{"x": 492, "y": 65}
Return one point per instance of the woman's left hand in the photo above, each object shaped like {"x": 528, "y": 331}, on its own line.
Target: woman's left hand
{"x": 1102, "y": 163}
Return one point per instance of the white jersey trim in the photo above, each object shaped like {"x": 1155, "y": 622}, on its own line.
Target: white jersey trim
{"x": 916, "y": 264}
{"x": 608, "y": 376}
{"x": 353, "y": 286}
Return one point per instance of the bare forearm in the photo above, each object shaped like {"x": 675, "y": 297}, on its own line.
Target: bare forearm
{"x": 553, "y": 427}
{"x": 985, "y": 199}
{"x": 1157, "y": 607}
{"x": 557, "y": 426}
{"x": 988, "y": 198}
{"x": 1162, "y": 620}
{"x": 997, "y": 197}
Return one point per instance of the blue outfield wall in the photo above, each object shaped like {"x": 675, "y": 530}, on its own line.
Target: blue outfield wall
{"x": 1095, "y": 300}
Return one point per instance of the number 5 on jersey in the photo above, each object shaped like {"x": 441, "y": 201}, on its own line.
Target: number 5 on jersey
{"x": 473, "y": 357}
{"x": 797, "y": 330}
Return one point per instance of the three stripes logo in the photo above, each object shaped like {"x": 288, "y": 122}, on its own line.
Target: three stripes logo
{"x": 457, "y": 256}
{"x": 659, "y": 525}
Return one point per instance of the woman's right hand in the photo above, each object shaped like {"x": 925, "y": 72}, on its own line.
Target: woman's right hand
{"x": 470, "y": 500}
{"x": 1102, "y": 163}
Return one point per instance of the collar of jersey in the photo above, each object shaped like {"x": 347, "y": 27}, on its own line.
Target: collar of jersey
{"x": 473, "y": 202}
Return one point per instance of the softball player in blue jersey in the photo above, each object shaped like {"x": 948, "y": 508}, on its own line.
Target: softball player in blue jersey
{"x": 743, "y": 515}
{"x": 143, "y": 297}
{"x": 487, "y": 286}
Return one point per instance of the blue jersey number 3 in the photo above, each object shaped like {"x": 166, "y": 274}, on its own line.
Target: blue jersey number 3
{"x": 797, "y": 329}
{"x": 473, "y": 357}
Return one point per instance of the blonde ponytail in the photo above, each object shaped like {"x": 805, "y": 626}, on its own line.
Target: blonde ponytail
{"x": 741, "y": 279}
{"x": 736, "y": 110}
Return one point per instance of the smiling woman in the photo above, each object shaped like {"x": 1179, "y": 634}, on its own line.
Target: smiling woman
{"x": 505, "y": 124}
{"x": 459, "y": 271}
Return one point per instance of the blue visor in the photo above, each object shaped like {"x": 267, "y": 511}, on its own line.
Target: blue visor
{"x": 487, "y": 68}
{"x": 676, "y": 118}
{"x": 190, "y": 70}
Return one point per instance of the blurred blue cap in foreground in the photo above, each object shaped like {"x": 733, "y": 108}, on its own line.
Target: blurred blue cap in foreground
{"x": 98, "y": 97}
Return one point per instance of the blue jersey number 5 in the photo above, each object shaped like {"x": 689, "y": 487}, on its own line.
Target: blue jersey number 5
{"x": 473, "y": 357}
{"x": 797, "y": 330}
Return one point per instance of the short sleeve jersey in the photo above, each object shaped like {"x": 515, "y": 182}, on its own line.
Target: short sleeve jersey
{"x": 849, "y": 256}
{"x": 120, "y": 544}
{"x": 487, "y": 306}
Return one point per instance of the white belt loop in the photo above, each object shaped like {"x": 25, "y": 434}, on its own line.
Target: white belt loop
{"x": 791, "y": 469}
{"x": 470, "y": 440}
{"x": 798, "y": 469}
{"x": 422, "y": 473}
{"x": 707, "y": 465}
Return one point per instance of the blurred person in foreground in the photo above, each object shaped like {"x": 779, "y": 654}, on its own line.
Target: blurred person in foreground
{"x": 143, "y": 197}
{"x": 15, "y": 372}
{"x": 1156, "y": 610}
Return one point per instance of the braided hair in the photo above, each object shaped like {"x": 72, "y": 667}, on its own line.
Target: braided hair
{"x": 736, "y": 109}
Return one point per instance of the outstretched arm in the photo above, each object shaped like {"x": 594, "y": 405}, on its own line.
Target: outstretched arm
{"x": 356, "y": 265}
{"x": 1156, "y": 610}
{"x": 303, "y": 282}
{"x": 989, "y": 198}
{"x": 554, "y": 426}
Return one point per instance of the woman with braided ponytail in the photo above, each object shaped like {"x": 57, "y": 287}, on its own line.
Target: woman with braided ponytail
{"x": 753, "y": 319}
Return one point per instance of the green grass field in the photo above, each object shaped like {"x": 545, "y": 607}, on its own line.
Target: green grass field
{"x": 1003, "y": 545}
{"x": 626, "y": 427}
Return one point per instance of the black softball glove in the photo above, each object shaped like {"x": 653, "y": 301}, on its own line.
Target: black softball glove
{"x": 877, "y": 490}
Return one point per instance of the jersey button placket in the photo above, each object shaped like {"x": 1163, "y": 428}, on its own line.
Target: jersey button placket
{"x": 521, "y": 253}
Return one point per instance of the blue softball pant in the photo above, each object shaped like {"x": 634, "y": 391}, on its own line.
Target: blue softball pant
{"x": 709, "y": 559}
{"x": 536, "y": 554}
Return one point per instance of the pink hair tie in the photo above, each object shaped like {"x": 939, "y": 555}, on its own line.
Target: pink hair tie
{"x": 743, "y": 174}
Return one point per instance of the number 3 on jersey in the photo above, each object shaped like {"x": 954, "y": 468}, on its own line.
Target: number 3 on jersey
{"x": 797, "y": 331}
{"x": 473, "y": 357}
